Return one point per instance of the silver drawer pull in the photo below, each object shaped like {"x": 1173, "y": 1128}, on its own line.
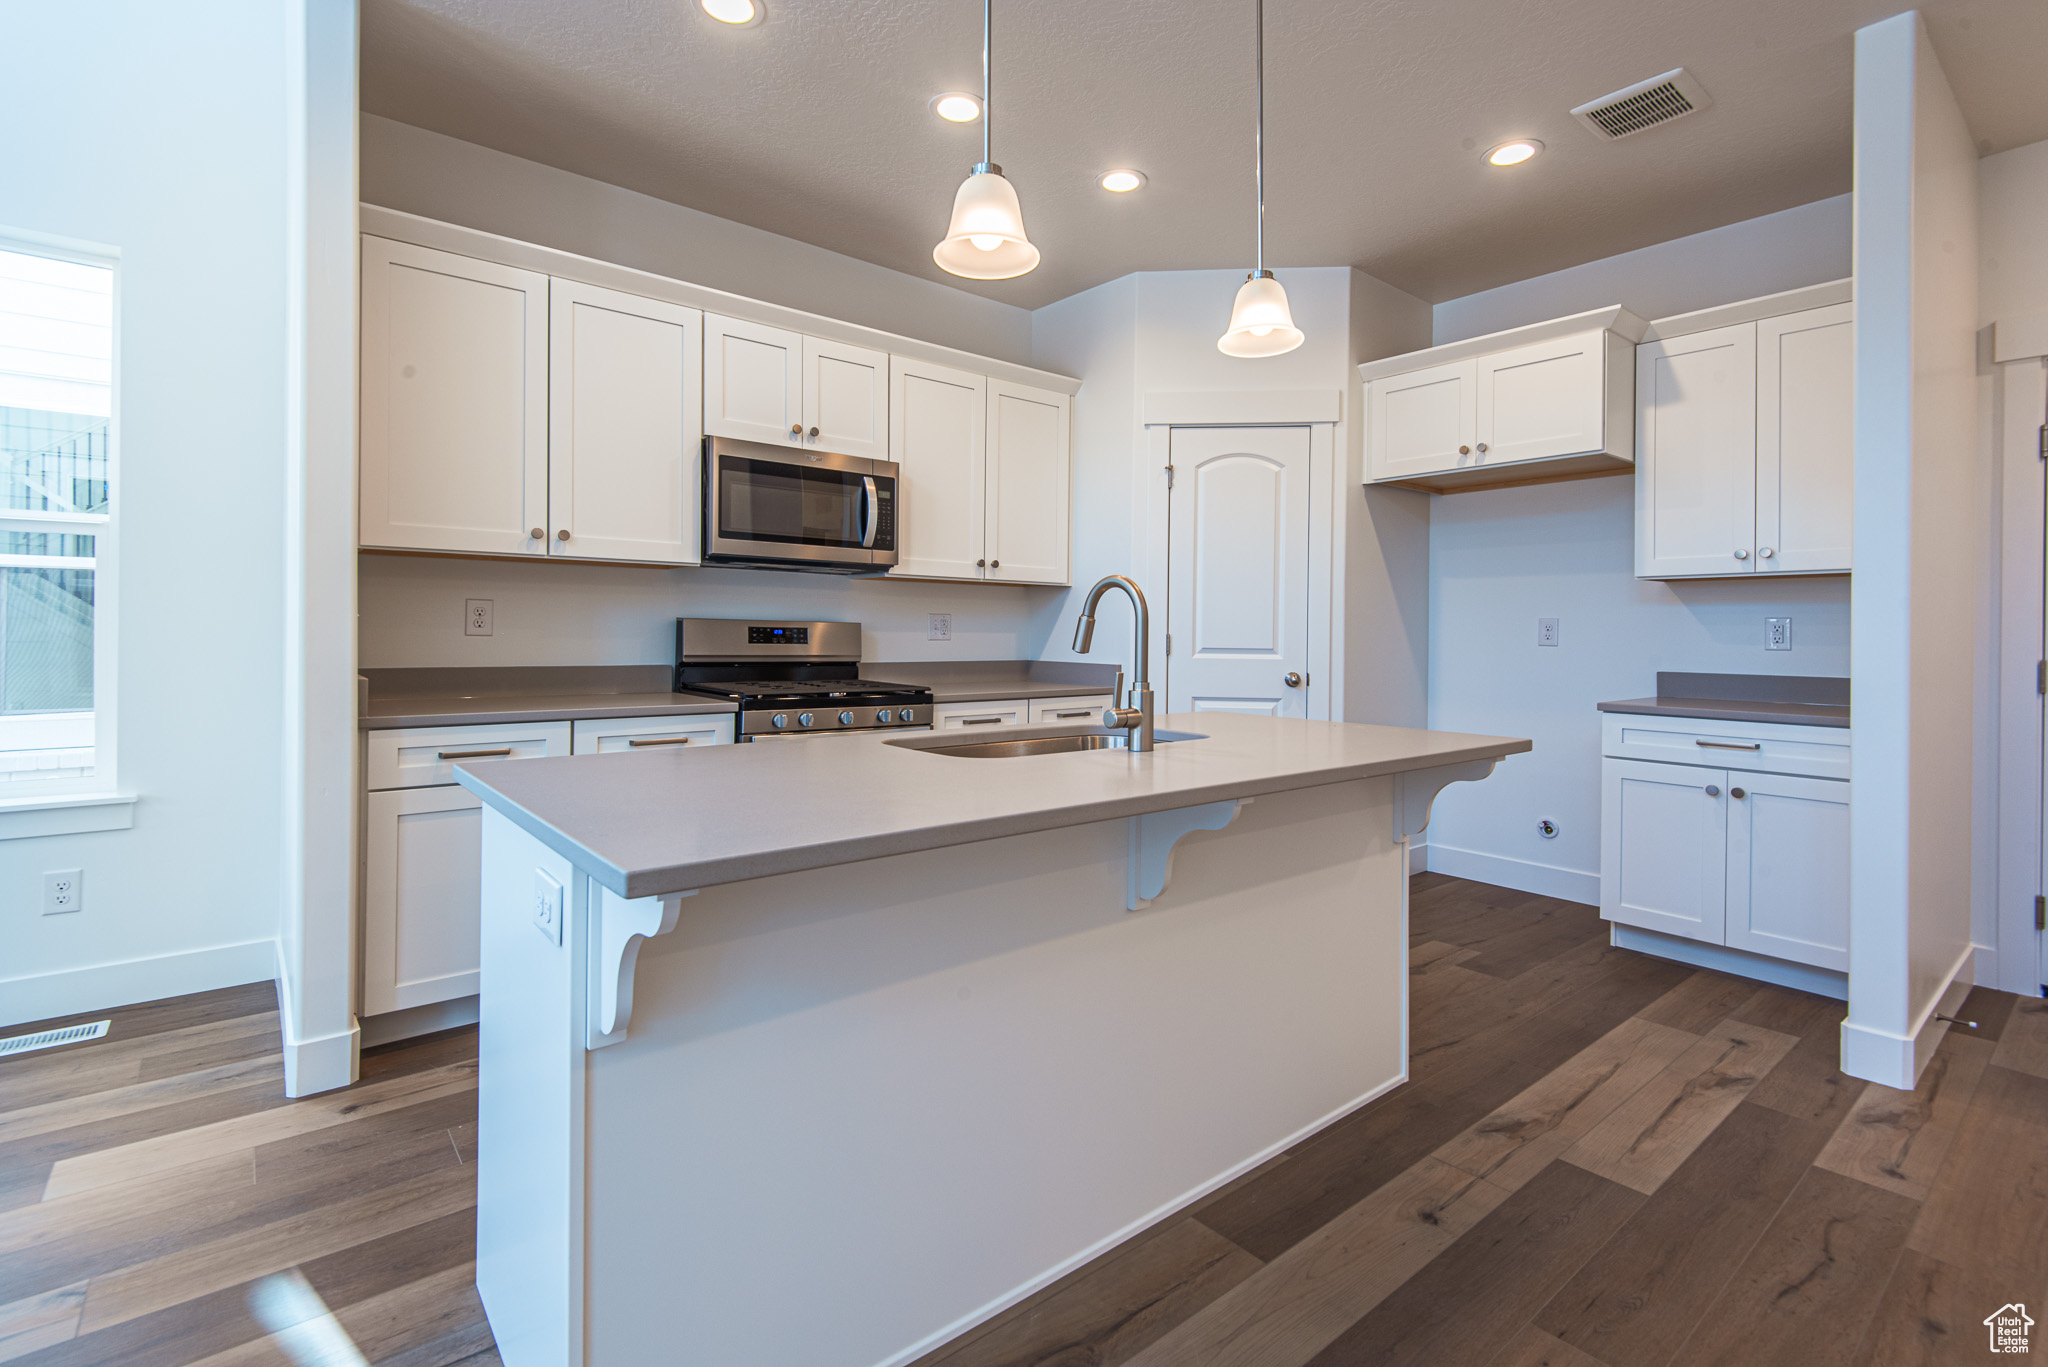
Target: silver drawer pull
{"x": 1077, "y": 712}
{"x": 981, "y": 721}
{"x": 638, "y": 741}
{"x": 1729, "y": 745}
{"x": 473, "y": 754}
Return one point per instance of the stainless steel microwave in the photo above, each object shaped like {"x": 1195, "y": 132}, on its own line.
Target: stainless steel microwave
{"x": 788, "y": 508}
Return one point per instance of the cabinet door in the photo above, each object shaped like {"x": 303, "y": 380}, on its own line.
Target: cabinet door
{"x": 957, "y": 716}
{"x": 938, "y": 423}
{"x": 1421, "y": 423}
{"x": 753, "y": 381}
{"x": 1696, "y": 454}
{"x": 846, "y": 399}
{"x": 651, "y": 735}
{"x": 1788, "y": 868}
{"x": 625, "y": 427}
{"x": 1026, "y": 516}
{"x": 1541, "y": 401}
{"x": 1805, "y": 440}
{"x": 421, "y": 897}
{"x": 453, "y": 402}
{"x": 1663, "y": 847}
{"x": 1069, "y": 709}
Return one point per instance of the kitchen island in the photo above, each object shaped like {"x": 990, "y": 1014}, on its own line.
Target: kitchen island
{"x": 822, "y": 1053}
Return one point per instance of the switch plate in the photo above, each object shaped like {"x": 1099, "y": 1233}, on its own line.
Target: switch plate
{"x": 476, "y": 617}
{"x": 547, "y": 906}
{"x": 63, "y": 891}
{"x": 1777, "y": 633}
{"x": 938, "y": 626}
{"x": 1546, "y": 631}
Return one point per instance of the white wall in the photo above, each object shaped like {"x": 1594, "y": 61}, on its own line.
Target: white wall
{"x": 160, "y": 133}
{"x": 2013, "y": 216}
{"x": 440, "y": 177}
{"x": 1918, "y": 508}
{"x": 1503, "y": 558}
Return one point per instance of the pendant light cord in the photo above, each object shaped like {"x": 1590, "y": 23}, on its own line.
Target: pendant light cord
{"x": 987, "y": 30}
{"x": 1259, "y": 135}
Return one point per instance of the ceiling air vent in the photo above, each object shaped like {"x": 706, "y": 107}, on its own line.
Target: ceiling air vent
{"x": 1644, "y": 105}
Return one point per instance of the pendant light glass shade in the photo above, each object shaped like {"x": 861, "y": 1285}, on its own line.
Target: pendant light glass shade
{"x": 985, "y": 240}
{"x": 1260, "y": 322}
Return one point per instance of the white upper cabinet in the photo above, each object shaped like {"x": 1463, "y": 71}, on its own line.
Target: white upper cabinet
{"x": 625, "y": 444}
{"x": 1538, "y": 403}
{"x": 453, "y": 402}
{"x": 938, "y": 437}
{"x": 1025, "y": 523}
{"x": 1696, "y": 483}
{"x": 846, "y": 399}
{"x": 1745, "y": 436}
{"x": 753, "y": 381}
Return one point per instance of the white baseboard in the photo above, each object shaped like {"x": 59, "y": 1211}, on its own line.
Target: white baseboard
{"x": 418, "y": 1020}
{"x": 1418, "y": 857}
{"x": 74, "y": 991}
{"x": 1546, "y": 880}
{"x": 1896, "y": 1060}
{"x": 1825, "y": 982}
{"x": 322, "y": 1063}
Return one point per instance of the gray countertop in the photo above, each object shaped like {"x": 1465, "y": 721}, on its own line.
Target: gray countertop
{"x": 392, "y": 698}
{"x": 1765, "y": 699}
{"x": 644, "y": 824}
{"x": 992, "y": 680}
{"x": 1734, "y": 709}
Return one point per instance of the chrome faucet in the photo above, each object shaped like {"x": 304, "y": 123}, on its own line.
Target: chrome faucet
{"x": 1136, "y": 719}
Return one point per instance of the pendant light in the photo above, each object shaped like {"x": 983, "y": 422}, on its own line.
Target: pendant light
{"x": 1260, "y": 323}
{"x": 985, "y": 240}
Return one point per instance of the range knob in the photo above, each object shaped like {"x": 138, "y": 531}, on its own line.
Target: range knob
{"x": 780, "y": 720}
{"x": 884, "y": 716}
{"x": 803, "y": 719}
{"x": 906, "y": 716}
{"x": 846, "y": 718}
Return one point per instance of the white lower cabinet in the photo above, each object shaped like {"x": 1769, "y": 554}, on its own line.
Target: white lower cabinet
{"x": 1747, "y": 859}
{"x": 1068, "y": 709}
{"x": 423, "y": 841}
{"x": 954, "y": 716}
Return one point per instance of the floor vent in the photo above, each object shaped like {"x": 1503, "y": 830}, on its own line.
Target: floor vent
{"x": 49, "y": 1039}
{"x": 1644, "y": 105}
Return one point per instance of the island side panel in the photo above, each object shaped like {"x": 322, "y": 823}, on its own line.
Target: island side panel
{"x": 863, "y": 1108}
{"x": 530, "y": 1105}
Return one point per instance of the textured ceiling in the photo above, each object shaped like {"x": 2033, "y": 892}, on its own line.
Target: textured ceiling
{"x": 814, "y": 123}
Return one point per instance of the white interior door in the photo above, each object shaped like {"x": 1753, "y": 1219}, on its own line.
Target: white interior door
{"x": 454, "y": 402}
{"x": 1663, "y": 848}
{"x": 1805, "y": 440}
{"x": 624, "y": 417}
{"x": 1696, "y": 454}
{"x": 938, "y": 436}
{"x": 1025, "y": 520}
{"x": 1788, "y": 868}
{"x": 846, "y": 399}
{"x": 1237, "y": 593}
{"x": 753, "y": 381}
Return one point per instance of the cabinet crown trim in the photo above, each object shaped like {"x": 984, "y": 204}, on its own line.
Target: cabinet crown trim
{"x": 1751, "y": 310}
{"x": 1614, "y": 318}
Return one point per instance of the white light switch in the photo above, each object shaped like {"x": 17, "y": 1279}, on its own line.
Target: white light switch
{"x": 938, "y": 626}
{"x": 547, "y": 906}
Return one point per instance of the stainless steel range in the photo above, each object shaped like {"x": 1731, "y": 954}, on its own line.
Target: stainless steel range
{"x": 793, "y": 678}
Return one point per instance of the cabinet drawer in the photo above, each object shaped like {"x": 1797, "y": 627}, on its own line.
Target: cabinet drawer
{"x": 426, "y": 757}
{"x": 1069, "y": 709}
{"x": 1812, "y": 751}
{"x": 649, "y": 734}
{"x": 955, "y": 715}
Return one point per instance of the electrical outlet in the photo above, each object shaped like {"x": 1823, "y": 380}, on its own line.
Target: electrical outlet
{"x": 63, "y": 890}
{"x": 938, "y": 626}
{"x": 476, "y": 617}
{"x": 1777, "y": 633}
{"x": 547, "y": 906}
{"x": 1546, "y": 631}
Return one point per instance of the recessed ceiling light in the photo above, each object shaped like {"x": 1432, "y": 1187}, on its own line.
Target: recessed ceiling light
{"x": 955, "y": 107}
{"x": 738, "y": 13}
{"x": 1122, "y": 182}
{"x": 1513, "y": 153}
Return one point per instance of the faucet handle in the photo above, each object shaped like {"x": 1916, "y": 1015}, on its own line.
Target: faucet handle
{"x": 1116, "y": 690}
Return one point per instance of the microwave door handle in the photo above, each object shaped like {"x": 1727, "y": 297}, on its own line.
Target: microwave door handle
{"x": 871, "y": 512}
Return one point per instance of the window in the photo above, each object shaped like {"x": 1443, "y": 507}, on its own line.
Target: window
{"x": 56, "y": 411}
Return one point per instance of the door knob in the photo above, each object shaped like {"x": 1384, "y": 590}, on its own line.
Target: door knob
{"x": 1713, "y": 790}
{"x": 1291, "y": 679}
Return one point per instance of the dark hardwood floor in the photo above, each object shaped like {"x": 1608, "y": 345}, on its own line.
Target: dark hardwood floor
{"x": 1602, "y": 1160}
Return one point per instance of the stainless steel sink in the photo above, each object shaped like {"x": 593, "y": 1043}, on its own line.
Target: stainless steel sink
{"x": 1047, "y": 745}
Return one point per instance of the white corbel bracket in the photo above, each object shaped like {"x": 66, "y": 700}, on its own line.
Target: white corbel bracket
{"x": 617, "y": 926}
{"x": 1153, "y": 837}
{"x": 1415, "y": 792}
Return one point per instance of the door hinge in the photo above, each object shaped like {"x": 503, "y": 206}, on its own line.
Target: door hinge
{"x": 2043, "y": 435}
{"x": 2041, "y": 677}
{"x": 2041, "y": 913}
{"x": 1169, "y": 643}
{"x": 1169, "y": 476}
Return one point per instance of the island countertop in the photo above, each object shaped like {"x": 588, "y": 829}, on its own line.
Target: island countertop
{"x": 644, "y": 825}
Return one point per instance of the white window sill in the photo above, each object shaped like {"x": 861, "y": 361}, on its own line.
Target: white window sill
{"x": 24, "y": 818}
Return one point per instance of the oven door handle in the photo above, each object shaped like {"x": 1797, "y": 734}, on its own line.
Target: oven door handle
{"x": 871, "y": 512}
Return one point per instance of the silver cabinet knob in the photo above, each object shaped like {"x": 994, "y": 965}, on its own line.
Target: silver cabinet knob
{"x": 1737, "y": 793}
{"x": 1742, "y": 555}
{"x": 1713, "y": 790}
{"x": 562, "y": 535}
{"x": 1766, "y": 553}
{"x": 814, "y": 434}
{"x": 1482, "y": 448}
{"x": 796, "y": 429}
{"x": 1291, "y": 679}
{"x": 981, "y": 564}
{"x": 995, "y": 564}
{"x": 537, "y": 534}
{"x": 804, "y": 719}
{"x": 846, "y": 718}
{"x": 1464, "y": 450}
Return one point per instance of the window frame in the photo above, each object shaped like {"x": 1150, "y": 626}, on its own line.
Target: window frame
{"x": 94, "y": 801}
